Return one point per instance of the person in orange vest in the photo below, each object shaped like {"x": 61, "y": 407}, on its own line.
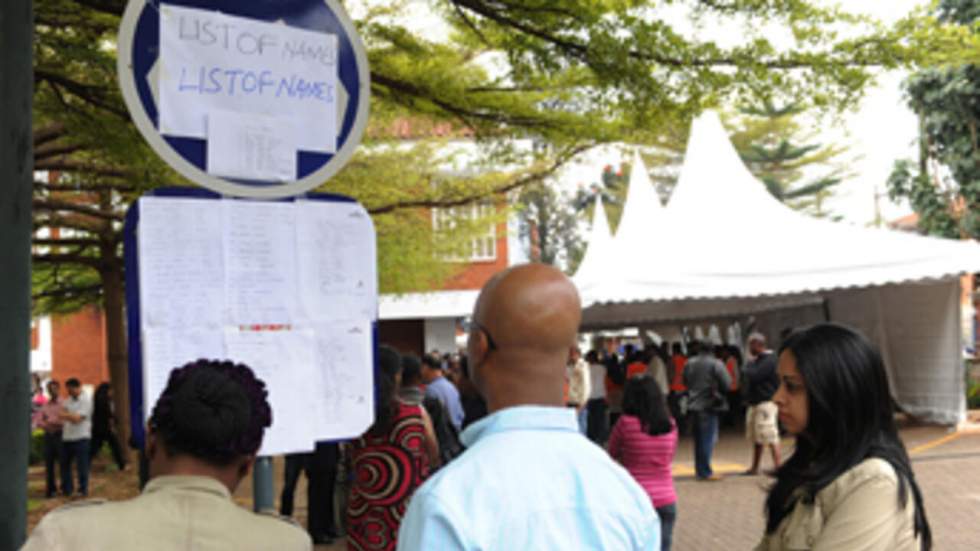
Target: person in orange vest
{"x": 678, "y": 390}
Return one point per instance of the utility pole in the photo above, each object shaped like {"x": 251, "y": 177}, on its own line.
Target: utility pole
{"x": 16, "y": 177}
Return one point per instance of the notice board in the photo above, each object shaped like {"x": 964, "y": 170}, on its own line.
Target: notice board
{"x": 288, "y": 288}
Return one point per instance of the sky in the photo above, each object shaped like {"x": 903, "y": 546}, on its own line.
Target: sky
{"x": 878, "y": 132}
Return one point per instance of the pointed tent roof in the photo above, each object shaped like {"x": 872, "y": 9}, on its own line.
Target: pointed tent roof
{"x": 638, "y": 226}
{"x": 598, "y": 248}
{"x": 731, "y": 239}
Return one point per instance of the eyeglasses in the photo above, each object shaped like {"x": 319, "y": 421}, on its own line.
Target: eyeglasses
{"x": 490, "y": 341}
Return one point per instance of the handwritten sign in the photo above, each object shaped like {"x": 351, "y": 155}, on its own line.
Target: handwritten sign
{"x": 214, "y": 62}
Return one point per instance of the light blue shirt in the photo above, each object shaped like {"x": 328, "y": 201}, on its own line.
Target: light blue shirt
{"x": 446, "y": 393}
{"x": 530, "y": 481}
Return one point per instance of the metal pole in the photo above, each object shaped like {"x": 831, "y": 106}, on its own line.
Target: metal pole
{"x": 263, "y": 485}
{"x": 16, "y": 177}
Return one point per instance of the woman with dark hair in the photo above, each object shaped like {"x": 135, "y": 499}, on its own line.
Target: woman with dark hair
{"x": 201, "y": 442}
{"x": 849, "y": 484}
{"x": 644, "y": 441}
{"x": 389, "y": 462}
{"x": 103, "y": 432}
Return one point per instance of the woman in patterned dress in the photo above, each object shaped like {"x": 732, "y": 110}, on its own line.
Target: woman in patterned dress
{"x": 389, "y": 461}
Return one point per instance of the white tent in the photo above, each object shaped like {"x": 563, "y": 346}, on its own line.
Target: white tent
{"x": 600, "y": 249}
{"x": 725, "y": 248}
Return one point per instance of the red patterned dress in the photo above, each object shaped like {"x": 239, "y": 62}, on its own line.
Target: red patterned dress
{"x": 386, "y": 469}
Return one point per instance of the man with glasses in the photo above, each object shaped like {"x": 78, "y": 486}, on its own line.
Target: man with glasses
{"x": 528, "y": 479}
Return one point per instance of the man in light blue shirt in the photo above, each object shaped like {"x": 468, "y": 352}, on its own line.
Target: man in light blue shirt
{"x": 529, "y": 479}
{"x": 438, "y": 387}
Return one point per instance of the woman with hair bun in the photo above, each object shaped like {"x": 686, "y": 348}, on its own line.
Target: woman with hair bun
{"x": 849, "y": 484}
{"x": 201, "y": 442}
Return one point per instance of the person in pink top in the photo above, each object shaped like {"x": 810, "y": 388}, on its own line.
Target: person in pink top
{"x": 644, "y": 441}
{"x": 48, "y": 418}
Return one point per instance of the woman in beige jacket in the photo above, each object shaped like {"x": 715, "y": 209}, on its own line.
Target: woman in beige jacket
{"x": 849, "y": 484}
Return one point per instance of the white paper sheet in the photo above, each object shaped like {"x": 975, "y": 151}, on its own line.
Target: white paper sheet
{"x": 180, "y": 262}
{"x": 165, "y": 349}
{"x": 210, "y": 61}
{"x": 260, "y": 262}
{"x": 337, "y": 264}
{"x": 285, "y": 360}
{"x": 346, "y": 369}
{"x": 253, "y": 147}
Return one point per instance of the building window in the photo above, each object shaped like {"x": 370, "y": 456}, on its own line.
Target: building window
{"x": 482, "y": 246}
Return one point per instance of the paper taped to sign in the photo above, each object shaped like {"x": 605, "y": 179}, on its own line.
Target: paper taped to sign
{"x": 255, "y": 147}
{"x": 213, "y": 62}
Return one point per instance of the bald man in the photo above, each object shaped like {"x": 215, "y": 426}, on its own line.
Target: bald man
{"x": 529, "y": 479}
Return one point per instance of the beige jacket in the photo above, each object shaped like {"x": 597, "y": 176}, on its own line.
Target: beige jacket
{"x": 173, "y": 512}
{"x": 579, "y": 386}
{"x": 857, "y": 511}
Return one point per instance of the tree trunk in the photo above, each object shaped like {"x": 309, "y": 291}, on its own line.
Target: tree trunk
{"x": 112, "y": 287}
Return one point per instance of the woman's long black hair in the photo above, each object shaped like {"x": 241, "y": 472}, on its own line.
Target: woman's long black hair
{"x": 850, "y": 419}
{"x": 643, "y": 399}
{"x": 386, "y": 403}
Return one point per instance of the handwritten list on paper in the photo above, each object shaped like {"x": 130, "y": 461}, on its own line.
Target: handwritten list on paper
{"x": 165, "y": 349}
{"x": 348, "y": 392}
{"x": 180, "y": 253}
{"x": 252, "y": 147}
{"x": 260, "y": 262}
{"x": 337, "y": 278}
{"x": 285, "y": 360}
{"x": 288, "y": 288}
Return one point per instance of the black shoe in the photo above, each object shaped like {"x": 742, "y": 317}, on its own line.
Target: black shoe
{"x": 322, "y": 540}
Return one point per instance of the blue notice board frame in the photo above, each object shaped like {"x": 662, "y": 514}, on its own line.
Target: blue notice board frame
{"x": 131, "y": 263}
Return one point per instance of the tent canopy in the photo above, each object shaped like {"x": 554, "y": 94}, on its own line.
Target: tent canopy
{"x": 724, "y": 237}
{"x": 725, "y": 248}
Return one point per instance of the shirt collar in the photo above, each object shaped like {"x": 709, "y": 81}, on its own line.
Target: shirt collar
{"x": 537, "y": 418}
{"x": 204, "y": 484}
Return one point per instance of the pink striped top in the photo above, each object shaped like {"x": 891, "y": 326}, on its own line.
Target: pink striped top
{"x": 648, "y": 458}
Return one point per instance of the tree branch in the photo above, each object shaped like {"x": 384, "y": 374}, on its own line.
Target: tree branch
{"x": 83, "y": 187}
{"x": 68, "y": 242}
{"x": 88, "y": 93}
{"x": 43, "y": 153}
{"x": 66, "y": 292}
{"x": 90, "y": 261}
{"x": 466, "y": 199}
{"x": 68, "y": 165}
{"x": 79, "y": 208}
{"x": 49, "y": 133}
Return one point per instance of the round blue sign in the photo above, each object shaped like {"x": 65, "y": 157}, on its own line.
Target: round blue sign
{"x": 139, "y": 66}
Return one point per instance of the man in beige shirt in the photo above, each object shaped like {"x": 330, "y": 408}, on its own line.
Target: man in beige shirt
{"x": 201, "y": 442}
{"x": 579, "y": 386}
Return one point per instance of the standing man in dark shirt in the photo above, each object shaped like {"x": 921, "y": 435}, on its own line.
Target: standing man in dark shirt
{"x": 761, "y": 382}
{"x": 706, "y": 380}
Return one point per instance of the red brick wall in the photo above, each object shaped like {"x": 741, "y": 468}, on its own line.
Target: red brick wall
{"x": 78, "y": 347}
{"x": 475, "y": 274}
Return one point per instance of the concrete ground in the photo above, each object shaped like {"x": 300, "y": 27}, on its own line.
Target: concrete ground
{"x": 727, "y": 515}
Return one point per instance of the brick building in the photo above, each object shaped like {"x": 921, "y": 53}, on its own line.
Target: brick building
{"x": 71, "y": 345}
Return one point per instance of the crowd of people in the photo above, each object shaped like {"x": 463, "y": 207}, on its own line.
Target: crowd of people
{"x": 523, "y": 443}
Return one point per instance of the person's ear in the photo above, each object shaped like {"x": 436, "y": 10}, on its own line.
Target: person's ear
{"x": 479, "y": 348}
{"x": 245, "y": 466}
{"x": 151, "y": 444}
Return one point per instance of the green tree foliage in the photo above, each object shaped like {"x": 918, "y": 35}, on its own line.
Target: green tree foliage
{"x": 777, "y": 148}
{"x": 943, "y": 188}
{"x": 549, "y": 222}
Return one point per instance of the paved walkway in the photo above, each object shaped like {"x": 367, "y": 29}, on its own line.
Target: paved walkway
{"x": 727, "y": 515}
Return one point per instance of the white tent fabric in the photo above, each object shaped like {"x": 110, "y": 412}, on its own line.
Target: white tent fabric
{"x": 599, "y": 251}
{"x": 641, "y": 214}
{"x": 726, "y": 248}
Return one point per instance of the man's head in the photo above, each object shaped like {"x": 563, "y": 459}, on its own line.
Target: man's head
{"x": 525, "y": 322}
{"x": 74, "y": 387}
{"x": 574, "y": 355}
{"x": 757, "y": 343}
{"x": 431, "y": 368}
{"x": 411, "y": 370}
{"x": 208, "y": 421}
{"x": 54, "y": 389}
